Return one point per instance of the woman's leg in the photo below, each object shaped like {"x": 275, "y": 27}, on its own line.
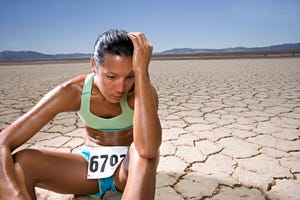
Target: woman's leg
{"x": 59, "y": 172}
{"x": 139, "y": 176}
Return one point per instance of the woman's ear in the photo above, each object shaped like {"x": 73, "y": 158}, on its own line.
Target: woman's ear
{"x": 92, "y": 65}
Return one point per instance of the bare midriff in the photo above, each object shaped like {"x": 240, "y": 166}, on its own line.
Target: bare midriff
{"x": 96, "y": 138}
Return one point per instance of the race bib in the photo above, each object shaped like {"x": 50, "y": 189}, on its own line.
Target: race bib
{"x": 104, "y": 161}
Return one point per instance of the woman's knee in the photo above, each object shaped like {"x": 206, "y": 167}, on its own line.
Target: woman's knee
{"x": 24, "y": 158}
{"x": 25, "y": 172}
{"x": 26, "y": 161}
{"x": 135, "y": 165}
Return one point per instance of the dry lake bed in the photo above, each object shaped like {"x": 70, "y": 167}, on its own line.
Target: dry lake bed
{"x": 230, "y": 126}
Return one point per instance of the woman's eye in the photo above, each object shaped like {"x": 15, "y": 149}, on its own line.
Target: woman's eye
{"x": 130, "y": 77}
{"x": 111, "y": 77}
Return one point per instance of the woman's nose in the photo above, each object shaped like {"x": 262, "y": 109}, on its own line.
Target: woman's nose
{"x": 121, "y": 86}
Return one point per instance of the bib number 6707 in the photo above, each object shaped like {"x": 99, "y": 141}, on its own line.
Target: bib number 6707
{"x": 103, "y": 160}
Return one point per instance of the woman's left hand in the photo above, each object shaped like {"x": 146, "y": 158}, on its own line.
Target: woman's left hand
{"x": 142, "y": 52}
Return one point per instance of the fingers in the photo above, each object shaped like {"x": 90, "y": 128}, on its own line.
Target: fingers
{"x": 138, "y": 39}
{"x": 142, "y": 51}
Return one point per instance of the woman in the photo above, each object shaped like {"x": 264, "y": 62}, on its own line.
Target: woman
{"x": 118, "y": 105}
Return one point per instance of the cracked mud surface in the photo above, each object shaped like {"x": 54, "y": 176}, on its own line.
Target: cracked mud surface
{"x": 230, "y": 127}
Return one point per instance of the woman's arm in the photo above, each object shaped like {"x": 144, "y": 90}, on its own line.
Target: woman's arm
{"x": 147, "y": 128}
{"x": 63, "y": 98}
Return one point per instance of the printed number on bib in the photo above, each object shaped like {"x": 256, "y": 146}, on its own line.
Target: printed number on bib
{"x": 104, "y": 161}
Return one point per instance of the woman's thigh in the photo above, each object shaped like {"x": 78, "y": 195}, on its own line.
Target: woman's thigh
{"x": 56, "y": 171}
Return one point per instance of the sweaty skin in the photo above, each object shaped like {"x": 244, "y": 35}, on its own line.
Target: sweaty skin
{"x": 66, "y": 173}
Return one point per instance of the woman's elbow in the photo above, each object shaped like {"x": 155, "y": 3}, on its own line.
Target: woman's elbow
{"x": 148, "y": 152}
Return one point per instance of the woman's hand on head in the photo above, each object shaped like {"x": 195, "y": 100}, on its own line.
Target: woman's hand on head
{"x": 142, "y": 52}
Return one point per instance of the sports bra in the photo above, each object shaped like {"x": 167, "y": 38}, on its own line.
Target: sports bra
{"x": 121, "y": 122}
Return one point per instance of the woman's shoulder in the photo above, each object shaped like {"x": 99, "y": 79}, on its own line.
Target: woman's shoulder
{"x": 74, "y": 83}
{"x": 77, "y": 79}
{"x": 69, "y": 92}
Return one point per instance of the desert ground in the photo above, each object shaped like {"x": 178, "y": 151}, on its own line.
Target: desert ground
{"x": 230, "y": 126}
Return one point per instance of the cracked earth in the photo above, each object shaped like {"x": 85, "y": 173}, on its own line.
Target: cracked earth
{"x": 230, "y": 127}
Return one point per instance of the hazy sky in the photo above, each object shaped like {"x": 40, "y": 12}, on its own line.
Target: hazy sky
{"x": 68, "y": 26}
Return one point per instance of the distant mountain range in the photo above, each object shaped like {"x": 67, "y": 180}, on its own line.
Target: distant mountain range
{"x": 32, "y": 55}
{"x": 282, "y": 47}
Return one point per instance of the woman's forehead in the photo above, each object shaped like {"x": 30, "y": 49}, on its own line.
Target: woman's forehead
{"x": 117, "y": 63}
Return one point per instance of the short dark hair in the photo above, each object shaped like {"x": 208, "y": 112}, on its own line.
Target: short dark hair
{"x": 113, "y": 41}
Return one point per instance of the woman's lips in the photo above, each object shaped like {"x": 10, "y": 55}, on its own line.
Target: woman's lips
{"x": 117, "y": 97}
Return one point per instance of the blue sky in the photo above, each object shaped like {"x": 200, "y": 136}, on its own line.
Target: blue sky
{"x": 67, "y": 26}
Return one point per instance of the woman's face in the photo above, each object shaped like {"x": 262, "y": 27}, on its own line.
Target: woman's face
{"x": 114, "y": 77}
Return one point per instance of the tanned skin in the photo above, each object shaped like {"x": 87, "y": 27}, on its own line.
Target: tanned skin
{"x": 67, "y": 172}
